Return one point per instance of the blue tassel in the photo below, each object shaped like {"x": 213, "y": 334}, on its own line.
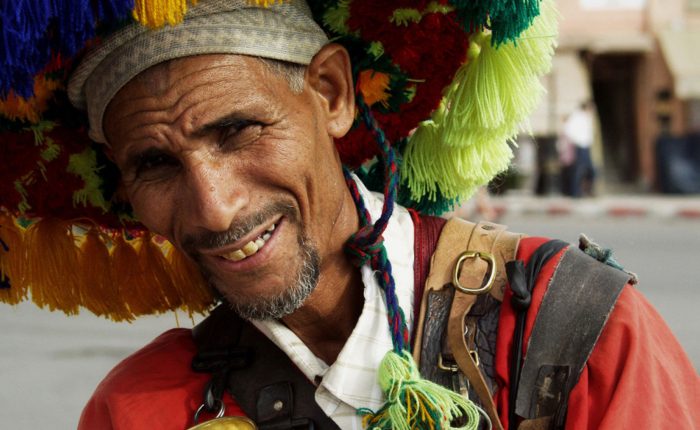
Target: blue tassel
{"x": 33, "y": 30}
{"x": 74, "y": 24}
{"x": 23, "y": 48}
{"x": 76, "y": 21}
{"x": 114, "y": 11}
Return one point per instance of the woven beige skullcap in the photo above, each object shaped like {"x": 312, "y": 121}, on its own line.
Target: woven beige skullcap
{"x": 284, "y": 31}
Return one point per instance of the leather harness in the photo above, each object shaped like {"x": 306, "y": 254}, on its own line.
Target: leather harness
{"x": 276, "y": 395}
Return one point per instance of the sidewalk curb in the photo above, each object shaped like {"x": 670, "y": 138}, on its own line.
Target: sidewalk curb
{"x": 624, "y": 206}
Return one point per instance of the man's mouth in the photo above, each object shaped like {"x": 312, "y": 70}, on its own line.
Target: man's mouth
{"x": 250, "y": 248}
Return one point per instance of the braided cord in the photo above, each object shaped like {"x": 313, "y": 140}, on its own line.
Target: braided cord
{"x": 367, "y": 244}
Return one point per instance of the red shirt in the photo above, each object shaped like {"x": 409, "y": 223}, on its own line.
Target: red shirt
{"x": 637, "y": 377}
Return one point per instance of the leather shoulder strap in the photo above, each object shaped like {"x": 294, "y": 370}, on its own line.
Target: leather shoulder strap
{"x": 457, "y": 237}
{"x": 578, "y": 301}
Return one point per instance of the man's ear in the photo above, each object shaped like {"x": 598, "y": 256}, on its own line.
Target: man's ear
{"x": 329, "y": 76}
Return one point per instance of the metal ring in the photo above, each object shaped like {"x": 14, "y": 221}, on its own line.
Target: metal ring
{"x": 441, "y": 365}
{"x": 202, "y": 407}
{"x": 492, "y": 272}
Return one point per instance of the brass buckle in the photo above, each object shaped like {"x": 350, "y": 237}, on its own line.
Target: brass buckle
{"x": 226, "y": 423}
{"x": 441, "y": 365}
{"x": 492, "y": 272}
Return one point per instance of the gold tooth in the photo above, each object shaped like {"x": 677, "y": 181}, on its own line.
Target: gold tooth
{"x": 236, "y": 255}
{"x": 249, "y": 249}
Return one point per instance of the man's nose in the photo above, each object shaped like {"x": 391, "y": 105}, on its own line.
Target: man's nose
{"x": 215, "y": 199}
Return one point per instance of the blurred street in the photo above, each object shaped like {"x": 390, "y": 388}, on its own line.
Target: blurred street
{"x": 663, "y": 252}
{"x": 50, "y": 364}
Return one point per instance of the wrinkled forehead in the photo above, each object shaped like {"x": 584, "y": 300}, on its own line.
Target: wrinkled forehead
{"x": 284, "y": 31}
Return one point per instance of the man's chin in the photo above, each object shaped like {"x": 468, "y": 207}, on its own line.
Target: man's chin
{"x": 276, "y": 305}
{"x": 266, "y": 308}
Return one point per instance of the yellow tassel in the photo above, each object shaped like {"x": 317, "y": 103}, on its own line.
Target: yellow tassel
{"x": 11, "y": 261}
{"x": 157, "y": 13}
{"x": 136, "y": 293}
{"x": 157, "y": 272}
{"x": 98, "y": 291}
{"x": 197, "y": 296}
{"x": 265, "y": 3}
{"x": 52, "y": 265}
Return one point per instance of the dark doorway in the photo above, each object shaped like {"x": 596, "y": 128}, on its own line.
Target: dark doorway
{"x": 614, "y": 82}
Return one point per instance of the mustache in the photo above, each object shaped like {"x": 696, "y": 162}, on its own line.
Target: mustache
{"x": 191, "y": 244}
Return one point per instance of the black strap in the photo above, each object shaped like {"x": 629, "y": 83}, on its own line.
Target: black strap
{"x": 574, "y": 310}
{"x": 264, "y": 381}
{"x": 522, "y": 280}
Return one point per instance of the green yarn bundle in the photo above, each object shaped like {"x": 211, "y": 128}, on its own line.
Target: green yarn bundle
{"x": 468, "y": 139}
{"x": 416, "y": 403}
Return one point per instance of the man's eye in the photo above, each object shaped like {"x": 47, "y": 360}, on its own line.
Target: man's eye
{"x": 155, "y": 166}
{"x": 241, "y": 133}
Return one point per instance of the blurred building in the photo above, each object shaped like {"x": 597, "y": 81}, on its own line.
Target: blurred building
{"x": 639, "y": 61}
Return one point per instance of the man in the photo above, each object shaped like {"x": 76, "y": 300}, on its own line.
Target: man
{"x": 233, "y": 160}
{"x": 578, "y": 130}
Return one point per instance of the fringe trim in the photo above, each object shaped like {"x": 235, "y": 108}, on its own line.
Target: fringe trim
{"x": 63, "y": 266}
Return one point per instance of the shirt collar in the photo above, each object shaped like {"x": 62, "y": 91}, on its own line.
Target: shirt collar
{"x": 352, "y": 379}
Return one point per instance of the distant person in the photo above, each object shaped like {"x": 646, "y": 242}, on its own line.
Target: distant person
{"x": 566, "y": 153}
{"x": 578, "y": 130}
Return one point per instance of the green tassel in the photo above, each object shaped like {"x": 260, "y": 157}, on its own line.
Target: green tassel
{"x": 416, "y": 403}
{"x": 507, "y": 19}
{"x": 464, "y": 146}
{"x": 84, "y": 165}
{"x": 405, "y": 16}
{"x": 336, "y": 18}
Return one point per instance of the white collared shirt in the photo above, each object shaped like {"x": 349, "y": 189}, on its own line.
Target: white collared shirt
{"x": 351, "y": 382}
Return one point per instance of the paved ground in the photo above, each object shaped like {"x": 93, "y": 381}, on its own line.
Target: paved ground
{"x": 50, "y": 364}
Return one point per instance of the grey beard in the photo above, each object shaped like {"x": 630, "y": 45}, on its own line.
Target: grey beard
{"x": 292, "y": 298}
{"x": 262, "y": 308}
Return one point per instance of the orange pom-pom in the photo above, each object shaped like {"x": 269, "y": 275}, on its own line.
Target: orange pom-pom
{"x": 373, "y": 86}
{"x": 16, "y": 108}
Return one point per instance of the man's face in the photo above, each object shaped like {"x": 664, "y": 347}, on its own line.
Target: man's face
{"x": 219, "y": 156}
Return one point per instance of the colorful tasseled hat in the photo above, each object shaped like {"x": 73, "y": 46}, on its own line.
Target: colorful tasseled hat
{"x": 449, "y": 83}
{"x": 442, "y": 87}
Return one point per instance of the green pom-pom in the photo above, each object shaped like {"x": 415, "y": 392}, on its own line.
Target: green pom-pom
{"x": 84, "y": 165}
{"x": 467, "y": 141}
{"x": 416, "y": 403}
{"x": 336, "y": 17}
